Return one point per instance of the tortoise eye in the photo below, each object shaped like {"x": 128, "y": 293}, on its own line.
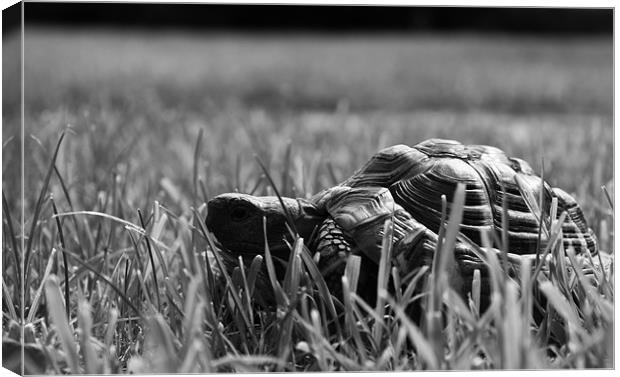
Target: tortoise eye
{"x": 239, "y": 214}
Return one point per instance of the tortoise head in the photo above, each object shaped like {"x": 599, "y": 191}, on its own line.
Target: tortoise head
{"x": 237, "y": 221}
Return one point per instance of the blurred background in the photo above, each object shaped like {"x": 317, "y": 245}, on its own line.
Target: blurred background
{"x": 314, "y": 91}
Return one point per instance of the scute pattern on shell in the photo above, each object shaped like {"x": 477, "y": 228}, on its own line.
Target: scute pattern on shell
{"x": 418, "y": 176}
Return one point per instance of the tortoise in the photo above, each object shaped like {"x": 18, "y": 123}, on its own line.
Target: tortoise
{"x": 406, "y": 184}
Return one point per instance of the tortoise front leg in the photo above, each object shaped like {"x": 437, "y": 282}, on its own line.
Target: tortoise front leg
{"x": 332, "y": 250}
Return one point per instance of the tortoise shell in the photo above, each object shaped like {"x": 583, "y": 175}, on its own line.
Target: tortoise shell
{"x": 418, "y": 176}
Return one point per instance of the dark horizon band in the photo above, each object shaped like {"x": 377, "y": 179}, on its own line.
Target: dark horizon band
{"x": 323, "y": 18}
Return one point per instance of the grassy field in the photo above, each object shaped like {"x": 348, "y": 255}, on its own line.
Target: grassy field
{"x": 158, "y": 123}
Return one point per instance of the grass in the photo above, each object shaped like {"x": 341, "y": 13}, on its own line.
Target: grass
{"x": 155, "y": 125}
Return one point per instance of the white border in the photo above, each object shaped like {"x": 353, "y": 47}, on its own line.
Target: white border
{"x": 457, "y": 3}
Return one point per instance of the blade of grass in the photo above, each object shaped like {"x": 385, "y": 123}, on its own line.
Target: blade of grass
{"x": 197, "y": 150}
{"x": 110, "y": 327}
{"x": 206, "y": 274}
{"x": 350, "y": 322}
{"x": 64, "y": 257}
{"x": 527, "y": 193}
{"x": 608, "y": 197}
{"x": 153, "y": 267}
{"x": 454, "y": 301}
{"x": 352, "y": 271}
{"x": 289, "y": 218}
{"x": 475, "y": 291}
{"x": 321, "y": 285}
{"x": 128, "y": 225}
{"x": 442, "y": 231}
{"x": 105, "y": 280}
{"x": 561, "y": 305}
{"x": 85, "y": 323}
{"x": 442, "y": 260}
{"x": 6, "y": 296}
{"x": 286, "y": 168}
{"x": 505, "y": 228}
{"x": 247, "y": 290}
{"x": 280, "y": 296}
{"x": 408, "y": 297}
{"x": 555, "y": 233}
{"x": 253, "y": 273}
{"x": 293, "y": 271}
{"x": 383, "y": 275}
{"x": 57, "y": 315}
{"x": 511, "y": 333}
{"x": 190, "y": 304}
{"x": 446, "y": 256}
{"x": 423, "y": 347}
{"x": 37, "y": 297}
{"x": 544, "y": 223}
{"x": 233, "y": 293}
{"x": 13, "y": 239}
{"x": 37, "y": 211}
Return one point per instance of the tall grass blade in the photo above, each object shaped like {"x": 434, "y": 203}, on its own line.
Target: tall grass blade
{"x": 64, "y": 257}
{"x": 57, "y": 315}
{"x": 173, "y": 296}
{"x": 160, "y": 341}
{"x": 158, "y": 226}
{"x": 511, "y": 333}
{"x": 111, "y": 327}
{"x": 383, "y": 275}
{"x": 6, "y": 296}
{"x": 64, "y": 188}
{"x": 441, "y": 235}
{"x": 527, "y": 193}
{"x": 37, "y": 210}
{"x": 285, "y": 169}
{"x": 153, "y": 267}
{"x": 289, "y": 218}
{"x": 293, "y": 271}
{"x": 233, "y": 293}
{"x": 349, "y": 318}
{"x": 446, "y": 256}
{"x": 556, "y": 229}
{"x": 85, "y": 322}
{"x": 37, "y": 297}
{"x": 527, "y": 298}
{"x": 253, "y": 273}
{"x": 321, "y": 285}
{"x": 352, "y": 271}
{"x": 562, "y": 306}
{"x": 455, "y": 303}
{"x": 11, "y": 234}
{"x": 197, "y": 150}
{"x": 317, "y": 336}
{"x": 190, "y": 304}
{"x": 105, "y": 280}
{"x": 475, "y": 291}
{"x": 423, "y": 347}
{"x": 128, "y": 225}
{"x": 505, "y": 227}
{"x": 443, "y": 261}
{"x": 608, "y": 197}
{"x": 544, "y": 222}
{"x": 208, "y": 278}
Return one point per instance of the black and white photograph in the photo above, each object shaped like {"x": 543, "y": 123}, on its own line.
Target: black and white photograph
{"x": 206, "y": 188}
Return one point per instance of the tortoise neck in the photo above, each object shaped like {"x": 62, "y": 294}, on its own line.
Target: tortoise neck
{"x": 308, "y": 218}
